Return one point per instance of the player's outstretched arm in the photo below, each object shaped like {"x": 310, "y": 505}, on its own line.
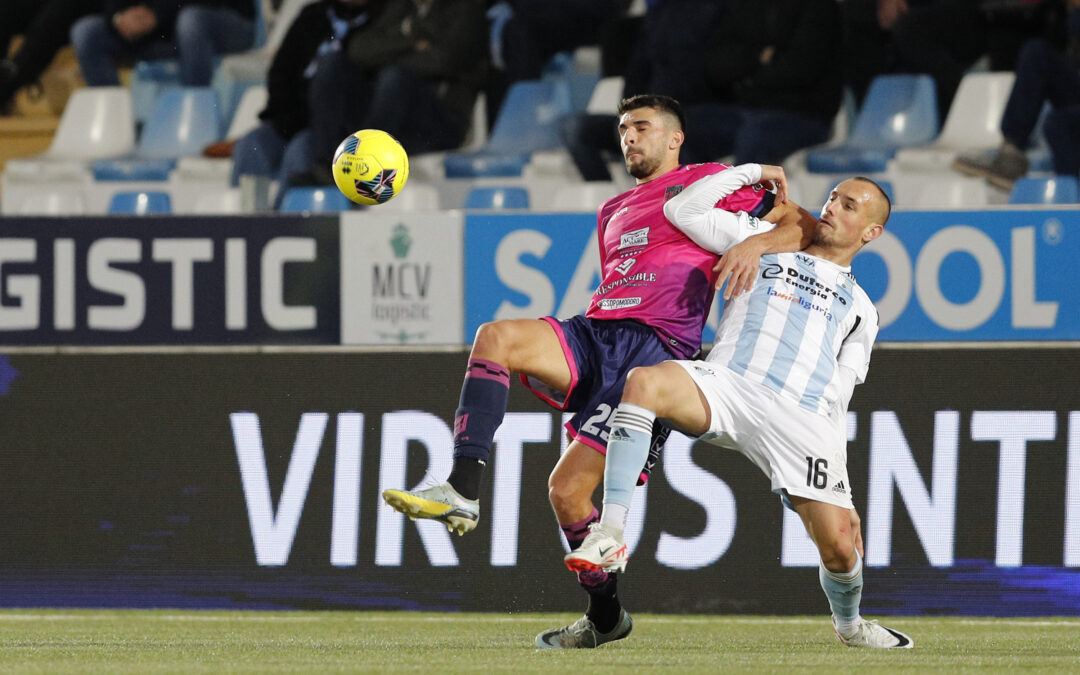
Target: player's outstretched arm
{"x": 693, "y": 210}
{"x": 739, "y": 265}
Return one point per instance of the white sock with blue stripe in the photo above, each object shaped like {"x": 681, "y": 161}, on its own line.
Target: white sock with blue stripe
{"x": 844, "y": 590}
{"x": 627, "y": 450}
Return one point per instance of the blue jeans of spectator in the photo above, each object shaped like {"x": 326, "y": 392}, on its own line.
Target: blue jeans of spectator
{"x": 716, "y": 130}
{"x": 1062, "y": 131}
{"x": 202, "y": 33}
{"x": 258, "y": 153}
{"x": 1042, "y": 75}
{"x": 263, "y": 151}
{"x": 393, "y": 99}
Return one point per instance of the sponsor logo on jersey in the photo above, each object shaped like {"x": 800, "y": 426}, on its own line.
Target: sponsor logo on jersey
{"x": 752, "y": 222}
{"x": 624, "y": 266}
{"x": 803, "y": 281}
{"x": 634, "y": 238}
{"x": 800, "y": 301}
{"x": 672, "y": 191}
{"x": 618, "y": 303}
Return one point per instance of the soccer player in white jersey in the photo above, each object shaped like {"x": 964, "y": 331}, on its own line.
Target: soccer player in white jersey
{"x": 654, "y": 296}
{"x": 775, "y": 387}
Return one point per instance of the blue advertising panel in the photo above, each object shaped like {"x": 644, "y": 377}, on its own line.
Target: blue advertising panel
{"x": 528, "y": 266}
{"x": 993, "y": 275}
{"x": 987, "y": 275}
{"x": 169, "y": 280}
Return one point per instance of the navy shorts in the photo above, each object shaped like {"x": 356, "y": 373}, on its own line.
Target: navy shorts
{"x": 600, "y": 353}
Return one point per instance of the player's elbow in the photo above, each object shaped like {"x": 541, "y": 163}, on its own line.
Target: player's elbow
{"x": 672, "y": 210}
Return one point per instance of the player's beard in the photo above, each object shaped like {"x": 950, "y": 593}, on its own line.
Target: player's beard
{"x": 644, "y": 167}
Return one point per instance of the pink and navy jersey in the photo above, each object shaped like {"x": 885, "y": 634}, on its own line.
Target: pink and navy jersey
{"x": 652, "y": 272}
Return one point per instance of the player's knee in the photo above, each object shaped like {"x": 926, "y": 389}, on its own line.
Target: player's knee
{"x": 642, "y": 386}
{"x": 492, "y": 339}
{"x": 838, "y": 551}
{"x": 564, "y": 495}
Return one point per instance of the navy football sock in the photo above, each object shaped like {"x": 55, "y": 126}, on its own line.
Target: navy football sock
{"x": 480, "y": 412}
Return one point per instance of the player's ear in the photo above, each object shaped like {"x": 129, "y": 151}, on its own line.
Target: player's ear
{"x": 872, "y": 232}
{"x": 677, "y": 138}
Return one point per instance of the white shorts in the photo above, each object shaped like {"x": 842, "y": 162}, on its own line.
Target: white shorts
{"x": 803, "y": 453}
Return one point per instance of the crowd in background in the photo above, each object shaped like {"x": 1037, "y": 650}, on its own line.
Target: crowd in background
{"x": 759, "y": 80}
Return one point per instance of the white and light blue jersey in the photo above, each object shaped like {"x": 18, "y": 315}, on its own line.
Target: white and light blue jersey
{"x": 804, "y": 318}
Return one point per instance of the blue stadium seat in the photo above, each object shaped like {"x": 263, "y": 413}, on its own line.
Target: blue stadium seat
{"x": 528, "y": 121}
{"x": 314, "y": 200}
{"x": 140, "y": 203}
{"x": 150, "y": 79}
{"x": 899, "y": 111}
{"x": 184, "y": 122}
{"x": 498, "y": 197}
{"x": 1046, "y": 190}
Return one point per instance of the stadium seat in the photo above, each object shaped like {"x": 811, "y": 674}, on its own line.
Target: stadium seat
{"x": 97, "y": 123}
{"x": 150, "y": 79}
{"x": 45, "y": 201}
{"x": 415, "y": 197}
{"x": 941, "y": 190}
{"x": 973, "y": 123}
{"x": 527, "y": 121}
{"x": 235, "y": 73}
{"x": 218, "y": 202}
{"x": 246, "y": 116}
{"x": 497, "y": 197}
{"x": 185, "y": 121}
{"x": 582, "y": 197}
{"x": 899, "y": 111}
{"x": 140, "y": 203}
{"x": 218, "y": 170}
{"x": 606, "y": 96}
{"x": 314, "y": 200}
{"x": 1045, "y": 190}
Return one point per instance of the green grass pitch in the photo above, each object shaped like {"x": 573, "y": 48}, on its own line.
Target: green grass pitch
{"x": 89, "y": 641}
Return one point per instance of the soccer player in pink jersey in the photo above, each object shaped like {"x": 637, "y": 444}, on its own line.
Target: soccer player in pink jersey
{"x": 651, "y": 305}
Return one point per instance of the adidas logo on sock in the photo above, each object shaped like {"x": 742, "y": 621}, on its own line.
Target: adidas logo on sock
{"x": 619, "y": 434}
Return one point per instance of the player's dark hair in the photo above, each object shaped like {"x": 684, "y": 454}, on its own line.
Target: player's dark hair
{"x": 885, "y": 195}
{"x": 665, "y": 104}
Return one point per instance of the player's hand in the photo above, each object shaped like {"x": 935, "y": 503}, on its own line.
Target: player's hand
{"x": 889, "y": 12}
{"x": 134, "y": 22}
{"x": 776, "y": 175}
{"x": 738, "y": 267}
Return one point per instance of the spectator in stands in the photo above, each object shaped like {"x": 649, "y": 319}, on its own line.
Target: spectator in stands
{"x": 1045, "y": 73}
{"x": 279, "y": 145}
{"x": 192, "y": 31}
{"x": 526, "y": 34}
{"x": 44, "y": 26}
{"x": 414, "y": 72}
{"x": 942, "y": 38}
{"x": 767, "y": 86}
{"x": 776, "y": 62}
{"x": 666, "y": 59}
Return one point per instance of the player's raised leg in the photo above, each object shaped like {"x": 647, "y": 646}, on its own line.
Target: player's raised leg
{"x": 664, "y": 390}
{"x": 840, "y": 574}
{"x": 500, "y": 348}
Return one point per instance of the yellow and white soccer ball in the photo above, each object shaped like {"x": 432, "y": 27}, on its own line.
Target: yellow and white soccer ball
{"x": 370, "y": 167}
